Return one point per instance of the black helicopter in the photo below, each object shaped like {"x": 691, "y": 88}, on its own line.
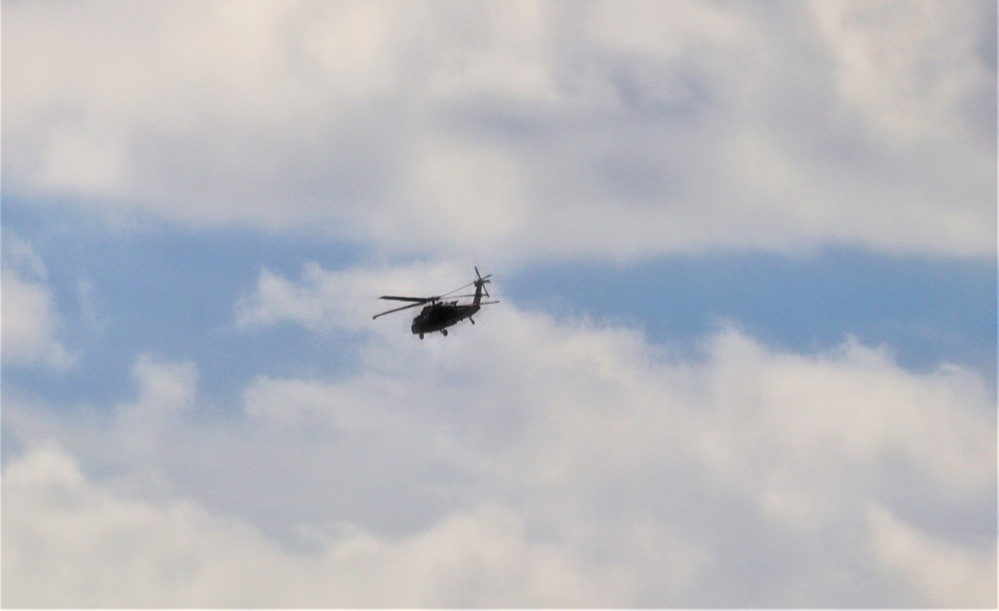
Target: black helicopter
{"x": 440, "y": 315}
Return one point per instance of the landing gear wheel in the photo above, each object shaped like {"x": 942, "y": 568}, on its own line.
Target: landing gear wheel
{"x": 444, "y": 331}
{"x": 421, "y": 336}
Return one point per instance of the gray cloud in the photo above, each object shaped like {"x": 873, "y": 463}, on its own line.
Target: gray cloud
{"x": 562, "y": 463}
{"x": 528, "y": 129}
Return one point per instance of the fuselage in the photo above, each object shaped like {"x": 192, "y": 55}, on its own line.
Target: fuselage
{"x": 439, "y": 316}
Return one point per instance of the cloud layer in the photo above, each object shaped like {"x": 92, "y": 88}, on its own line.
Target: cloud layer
{"x": 545, "y": 463}
{"x": 277, "y": 447}
{"x": 518, "y": 129}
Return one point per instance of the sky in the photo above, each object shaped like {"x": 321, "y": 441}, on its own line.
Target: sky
{"x": 744, "y": 355}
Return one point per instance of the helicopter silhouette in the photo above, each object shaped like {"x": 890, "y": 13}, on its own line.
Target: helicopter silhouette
{"x": 439, "y": 315}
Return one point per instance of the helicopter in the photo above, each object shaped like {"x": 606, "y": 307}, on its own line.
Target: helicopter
{"x": 440, "y": 315}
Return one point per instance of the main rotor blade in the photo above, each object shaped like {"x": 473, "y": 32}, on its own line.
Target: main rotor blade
{"x": 416, "y": 299}
{"x": 482, "y": 303}
{"x": 457, "y": 289}
{"x": 412, "y": 305}
{"x": 480, "y": 280}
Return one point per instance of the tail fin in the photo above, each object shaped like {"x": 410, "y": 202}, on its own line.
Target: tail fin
{"x": 480, "y": 285}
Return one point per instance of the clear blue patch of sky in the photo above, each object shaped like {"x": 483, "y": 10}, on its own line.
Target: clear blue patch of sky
{"x": 926, "y": 310}
{"x": 168, "y": 292}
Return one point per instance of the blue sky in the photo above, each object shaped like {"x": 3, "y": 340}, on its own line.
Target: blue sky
{"x": 745, "y": 353}
{"x": 926, "y": 311}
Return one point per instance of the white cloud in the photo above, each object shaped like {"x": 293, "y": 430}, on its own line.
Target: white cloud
{"x": 904, "y": 69}
{"x": 526, "y": 461}
{"x": 69, "y": 541}
{"x": 523, "y": 130}
{"x": 942, "y": 574}
{"x": 30, "y": 320}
